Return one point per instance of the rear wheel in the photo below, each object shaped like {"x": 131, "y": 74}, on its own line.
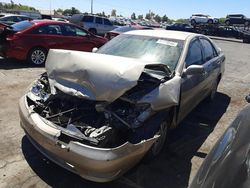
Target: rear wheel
{"x": 210, "y": 21}
{"x": 37, "y": 56}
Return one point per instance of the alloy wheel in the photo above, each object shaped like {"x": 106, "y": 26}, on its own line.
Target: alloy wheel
{"x": 38, "y": 57}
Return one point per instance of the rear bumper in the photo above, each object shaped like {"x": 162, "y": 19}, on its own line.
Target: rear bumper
{"x": 11, "y": 51}
{"x": 2, "y": 49}
{"x": 92, "y": 163}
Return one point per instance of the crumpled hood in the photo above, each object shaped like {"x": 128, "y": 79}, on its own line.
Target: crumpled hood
{"x": 91, "y": 75}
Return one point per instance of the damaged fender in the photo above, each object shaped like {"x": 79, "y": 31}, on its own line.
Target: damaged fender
{"x": 164, "y": 96}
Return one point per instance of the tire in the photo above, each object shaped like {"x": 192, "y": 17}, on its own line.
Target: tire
{"x": 158, "y": 146}
{"x": 210, "y": 21}
{"x": 37, "y": 56}
{"x": 193, "y": 22}
{"x": 227, "y": 22}
{"x": 93, "y": 31}
{"x": 246, "y": 23}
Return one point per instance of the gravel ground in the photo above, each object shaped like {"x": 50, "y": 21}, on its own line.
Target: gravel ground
{"x": 21, "y": 165}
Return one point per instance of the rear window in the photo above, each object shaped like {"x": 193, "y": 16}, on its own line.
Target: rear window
{"x": 107, "y": 22}
{"x": 88, "y": 19}
{"x": 98, "y": 20}
{"x": 22, "y": 25}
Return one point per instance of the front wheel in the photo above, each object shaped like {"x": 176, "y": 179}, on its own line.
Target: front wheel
{"x": 246, "y": 23}
{"x": 158, "y": 146}
{"x": 37, "y": 56}
{"x": 193, "y": 22}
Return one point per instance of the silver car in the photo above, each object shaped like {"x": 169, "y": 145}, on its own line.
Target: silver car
{"x": 98, "y": 114}
{"x": 94, "y": 24}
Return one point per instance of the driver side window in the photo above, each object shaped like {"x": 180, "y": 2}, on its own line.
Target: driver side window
{"x": 194, "y": 56}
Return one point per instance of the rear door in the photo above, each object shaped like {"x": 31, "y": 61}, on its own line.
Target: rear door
{"x": 193, "y": 86}
{"x": 99, "y": 25}
{"x": 108, "y": 26}
{"x": 76, "y": 38}
{"x": 48, "y": 36}
{"x": 211, "y": 64}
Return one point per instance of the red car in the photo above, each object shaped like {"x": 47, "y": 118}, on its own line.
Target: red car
{"x": 111, "y": 34}
{"x": 31, "y": 40}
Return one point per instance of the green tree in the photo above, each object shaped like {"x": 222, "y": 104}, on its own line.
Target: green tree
{"x": 133, "y": 16}
{"x": 140, "y": 17}
{"x": 113, "y": 13}
{"x": 59, "y": 10}
{"x": 148, "y": 16}
{"x": 71, "y": 11}
{"x": 157, "y": 18}
{"x": 181, "y": 20}
{"x": 222, "y": 20}
{"x": 164, "y": 18}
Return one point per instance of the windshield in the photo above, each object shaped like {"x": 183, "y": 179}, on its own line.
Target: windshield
{"x": 22, "y": 25}
{"x": 152, "y": 49}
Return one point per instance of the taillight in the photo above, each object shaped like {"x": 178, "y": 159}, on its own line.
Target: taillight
{"x": 12, "y": 37}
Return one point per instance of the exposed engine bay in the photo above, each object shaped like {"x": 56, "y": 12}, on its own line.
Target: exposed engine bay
{"x": 97, "y": 123}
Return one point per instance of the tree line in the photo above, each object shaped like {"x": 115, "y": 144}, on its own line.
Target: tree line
{"x": 15, "y": 6}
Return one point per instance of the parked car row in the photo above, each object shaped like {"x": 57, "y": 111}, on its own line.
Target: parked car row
{"x": 231, "y": 19}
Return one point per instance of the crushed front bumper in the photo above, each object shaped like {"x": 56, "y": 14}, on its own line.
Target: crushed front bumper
{"x": 92, "y": 163}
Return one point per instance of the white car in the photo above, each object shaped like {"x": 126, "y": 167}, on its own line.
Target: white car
{"x": 202, "y": 18}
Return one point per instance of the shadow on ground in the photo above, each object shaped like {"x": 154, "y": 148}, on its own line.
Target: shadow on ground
{"x": 8, "y": 64}
{"x": 171, "y": 169}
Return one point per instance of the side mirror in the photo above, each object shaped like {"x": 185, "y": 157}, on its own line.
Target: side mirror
{"x": 94, "y": 50}
{"x": 194, "y": 69}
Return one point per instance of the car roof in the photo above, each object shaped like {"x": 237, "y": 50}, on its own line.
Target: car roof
{"x": 7, "y": 15}
{"x": 44, "y": 21}
{"x": 178, "y": 35}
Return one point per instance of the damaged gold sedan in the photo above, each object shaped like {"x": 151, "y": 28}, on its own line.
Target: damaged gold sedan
{"x": 98, "y": 114}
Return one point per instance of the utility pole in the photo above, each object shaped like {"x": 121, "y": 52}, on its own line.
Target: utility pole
{"x": 50, "y": 7}
{"x": 91, "y": 6}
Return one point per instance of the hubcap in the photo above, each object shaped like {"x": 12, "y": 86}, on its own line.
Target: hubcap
{"x": 161, "y": 140}
{"x": 38, "y": 57}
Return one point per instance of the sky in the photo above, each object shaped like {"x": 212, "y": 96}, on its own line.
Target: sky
{"x": 174, "y": 9}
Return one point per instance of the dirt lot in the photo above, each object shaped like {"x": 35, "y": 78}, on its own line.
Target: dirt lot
{"x": 21, "y": 165}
